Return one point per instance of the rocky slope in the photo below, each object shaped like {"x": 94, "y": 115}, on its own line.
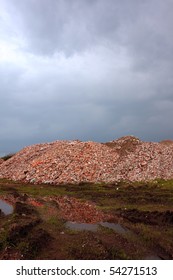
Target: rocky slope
{"x": 58, "y": 162}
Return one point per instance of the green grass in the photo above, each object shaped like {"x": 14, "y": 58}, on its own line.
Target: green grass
{"x": 151, "y": 196}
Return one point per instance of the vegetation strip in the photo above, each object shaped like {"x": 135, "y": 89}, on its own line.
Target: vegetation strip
{"x": 37, "y": 227}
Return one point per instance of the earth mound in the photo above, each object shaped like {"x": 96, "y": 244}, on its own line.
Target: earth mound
{"x": 59, "y": 162}
{"x": 167, "y": 142}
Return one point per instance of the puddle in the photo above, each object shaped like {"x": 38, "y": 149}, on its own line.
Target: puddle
{"x": 5, "y": 207}
{"x": 94, "y": 227}
{"x": 82, "y": 226}
{"x": 116, "y": 227}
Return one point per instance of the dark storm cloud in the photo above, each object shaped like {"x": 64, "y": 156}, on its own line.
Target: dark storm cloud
{"x": 65, "y": 26}
{"x": 92, "y": 69}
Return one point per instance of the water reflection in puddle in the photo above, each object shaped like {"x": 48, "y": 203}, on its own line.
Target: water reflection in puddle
{"x": 116, "y": 227}
{"x": 94, "y": 227}
{"x": 5, "y": 207}
{"x": 82, "y": 226}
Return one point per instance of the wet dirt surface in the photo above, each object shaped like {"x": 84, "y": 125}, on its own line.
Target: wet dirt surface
{"x": 85, "y": 221}
{"x": 147, "y": 217}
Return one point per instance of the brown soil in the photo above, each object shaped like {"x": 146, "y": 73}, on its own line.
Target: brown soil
{"x": 167, "y": 142}
{"x": 37, "y": 228}
{"x": 147, "y": 217}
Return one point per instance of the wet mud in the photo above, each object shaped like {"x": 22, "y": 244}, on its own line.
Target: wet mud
{"x": 147, "y": 217}
{"x": 86, "y": 222}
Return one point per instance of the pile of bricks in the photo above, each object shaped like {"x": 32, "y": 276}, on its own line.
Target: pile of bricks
{"x": 61, "y": 162}
{"x": 75, "y": 210}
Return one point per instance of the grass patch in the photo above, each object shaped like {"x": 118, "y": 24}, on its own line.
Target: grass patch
{"x": 105, "y": 243}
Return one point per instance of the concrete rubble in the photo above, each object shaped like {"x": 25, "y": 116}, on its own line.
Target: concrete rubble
{"x": 62, "y": 162}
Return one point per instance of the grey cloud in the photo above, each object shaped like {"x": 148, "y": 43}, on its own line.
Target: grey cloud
{"x": 92, "y": 70}
{"x": 72, "y": 26}
{"x": 64, "y": 26}
{"x": 148, "y": 38}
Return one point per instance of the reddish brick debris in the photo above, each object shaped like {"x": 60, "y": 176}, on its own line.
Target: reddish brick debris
{"x": 60, "y": 162}
{"x": 74, "y": 210}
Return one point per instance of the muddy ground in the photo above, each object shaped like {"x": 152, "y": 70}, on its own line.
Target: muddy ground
{"x": 37, "y": 228}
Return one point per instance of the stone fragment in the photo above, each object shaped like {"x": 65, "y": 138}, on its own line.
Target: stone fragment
{"x": 61, "y": 162}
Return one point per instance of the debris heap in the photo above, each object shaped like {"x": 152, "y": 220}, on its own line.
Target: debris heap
{"x": 61, "y": 162}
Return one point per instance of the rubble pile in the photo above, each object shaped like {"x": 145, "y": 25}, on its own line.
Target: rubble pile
{"x": 61, "y": 162}
{"x": 75, "y": 210}
{"x": 1, "y": 160}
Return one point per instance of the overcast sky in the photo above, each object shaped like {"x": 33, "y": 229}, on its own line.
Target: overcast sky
{"x": 85, "y": 69}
